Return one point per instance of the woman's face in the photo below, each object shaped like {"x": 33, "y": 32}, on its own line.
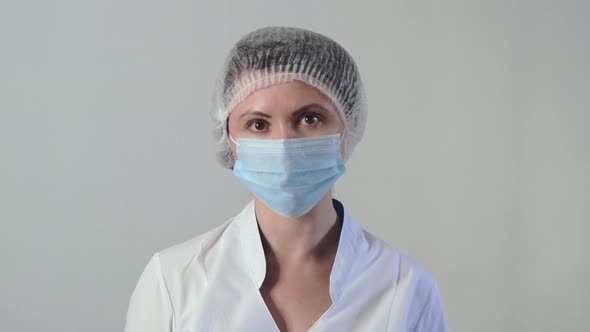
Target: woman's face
{"x": 288, "y": 110}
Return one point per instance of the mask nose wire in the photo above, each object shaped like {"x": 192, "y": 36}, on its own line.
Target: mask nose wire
{"x": 341, "y": 139}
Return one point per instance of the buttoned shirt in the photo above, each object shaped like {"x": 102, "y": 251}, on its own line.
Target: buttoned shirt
{"x": 212, "y": 283}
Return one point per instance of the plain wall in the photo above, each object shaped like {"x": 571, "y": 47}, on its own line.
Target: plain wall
{"x": 475, "y": 159}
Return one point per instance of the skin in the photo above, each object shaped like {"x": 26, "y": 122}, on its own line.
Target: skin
{"x": 300, "y": 251}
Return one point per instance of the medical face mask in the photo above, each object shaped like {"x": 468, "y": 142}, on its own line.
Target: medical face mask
{"x": 289, "y": 175}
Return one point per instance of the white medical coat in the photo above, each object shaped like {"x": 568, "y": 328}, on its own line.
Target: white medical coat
{"x": 211, "y": 283}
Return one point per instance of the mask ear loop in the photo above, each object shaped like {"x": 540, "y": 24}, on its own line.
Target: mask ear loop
{"x": 227, "y": 130}
{"x": 345, "y": 153}
{"x": 232, "y": 139}
{"x": 343, "y": 119}
{"x": 342, "y": 139}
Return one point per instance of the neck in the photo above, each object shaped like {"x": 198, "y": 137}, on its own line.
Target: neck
{"x": 310, "y": 237}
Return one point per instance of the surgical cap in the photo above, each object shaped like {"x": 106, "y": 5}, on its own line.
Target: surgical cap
{"x": 274, "y": 55}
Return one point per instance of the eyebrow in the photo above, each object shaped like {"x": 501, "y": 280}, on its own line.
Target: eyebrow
{"x": 253, "y": 112}
{"x": 295, "y": 114}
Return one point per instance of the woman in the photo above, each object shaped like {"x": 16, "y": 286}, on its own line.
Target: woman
{"x": 290, "y": 109}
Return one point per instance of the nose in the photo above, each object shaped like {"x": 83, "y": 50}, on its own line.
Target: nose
{"x": 284, "y": 131}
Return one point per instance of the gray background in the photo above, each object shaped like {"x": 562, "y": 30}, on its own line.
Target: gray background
{"x": 475, "y": 159}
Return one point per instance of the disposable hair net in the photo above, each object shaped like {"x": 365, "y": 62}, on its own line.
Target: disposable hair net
{"x": 274, "y": 55}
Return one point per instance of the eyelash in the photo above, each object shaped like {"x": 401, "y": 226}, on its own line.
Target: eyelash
{"x": 252, "y": 122}
{"x": 315, "y": 115}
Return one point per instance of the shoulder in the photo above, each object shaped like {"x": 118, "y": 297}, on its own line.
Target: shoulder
{"x": 380, "y": 255}
{"x": 162, "y": 287}
{"x": 413, "y": 272}
{"x": 406, "y": 267}
{"x": 190, "y": 252}
{"x": 416, "y": 288}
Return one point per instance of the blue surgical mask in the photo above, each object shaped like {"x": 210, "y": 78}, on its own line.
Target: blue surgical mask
{"x": 289, "y": 175}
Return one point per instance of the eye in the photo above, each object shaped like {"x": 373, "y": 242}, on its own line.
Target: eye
{"x": 257, "y": 125}
{"x": 310, "y": 119}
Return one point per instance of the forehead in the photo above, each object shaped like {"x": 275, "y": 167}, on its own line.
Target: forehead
{"x": 284, "y": 98}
